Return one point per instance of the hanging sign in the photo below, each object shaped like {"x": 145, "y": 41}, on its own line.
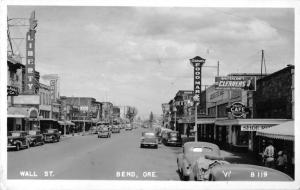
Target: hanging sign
{"x": 238, "y": 109}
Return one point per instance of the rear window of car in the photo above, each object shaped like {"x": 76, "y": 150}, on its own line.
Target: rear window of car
{"x": 202, "y": 149}
{"x": 149, "y": 134}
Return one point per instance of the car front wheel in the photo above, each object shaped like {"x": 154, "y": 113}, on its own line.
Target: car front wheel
{"x": 17, "y": 147}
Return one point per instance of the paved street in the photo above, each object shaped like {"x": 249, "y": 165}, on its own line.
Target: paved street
{"x": 87, "y": 157}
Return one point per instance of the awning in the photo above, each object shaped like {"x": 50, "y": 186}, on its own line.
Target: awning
{"x": 69, "y": 123}
{"x": 65, "y": 123}
{"x": 250, "y": 121}
{"x": 17, "y": 112}
{"x": 206, "y": 121}
{"x": 284, "y": 131}
{"x": 61, "y": 122}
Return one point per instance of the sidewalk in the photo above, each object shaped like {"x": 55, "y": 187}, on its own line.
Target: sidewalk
{"x": 230, "y": 156}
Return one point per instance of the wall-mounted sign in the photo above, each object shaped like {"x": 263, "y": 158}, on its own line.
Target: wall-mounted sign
{"x": 12, "y": 91}
{"x": 84, "y": 108}
{"x": 238, "y": 109}
{"x": 254, "y": 127}
{"x": 197, "y": 62}
{"x": 236, "y": 82}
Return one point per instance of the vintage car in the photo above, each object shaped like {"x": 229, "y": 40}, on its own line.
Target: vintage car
{"x": 204, "y": 165}
{"x": 192, "y": 151}
{"x": 246, "y": 172}
{"x": 104, "y": 132}
{"x": 51, "y": 135}
{"x": 93, "y": 130}
{"x": 115, "y": 129}
{"x": 128, "y": 127}
{"x": 35, "y": 138}
{"x": 172, "y": 138}
{"x": 149, "y": 139}
{"x": 17, "y": 140}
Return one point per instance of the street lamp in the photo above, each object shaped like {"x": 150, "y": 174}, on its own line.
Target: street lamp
{"x": 175, "y": 110}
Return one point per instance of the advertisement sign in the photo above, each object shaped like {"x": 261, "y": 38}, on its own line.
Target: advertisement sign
{"x": 236, "y": 82}
{"x": 238, "y": 109}
{"x": 53, "y": 87}
{"x": 12, "y": 91}
{"x": 197, "y": 62}
{"x": 30, "y": 87}
{"x": 84, "y": 108}
{"x": 254, "y": 127}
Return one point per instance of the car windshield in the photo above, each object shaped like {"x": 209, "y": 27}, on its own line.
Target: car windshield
{"x": 15, "y": 134}
{"x": 173, "y": 134}
{"x": 149, "y": 134}
{"x": 104, "y": 129}
{"x": 202, "y": 149}
{"x": 32, "y": 132}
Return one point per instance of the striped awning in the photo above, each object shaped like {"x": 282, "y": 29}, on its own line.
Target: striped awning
{"x": 284, "y": 131}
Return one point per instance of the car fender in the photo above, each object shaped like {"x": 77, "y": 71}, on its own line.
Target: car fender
{"x": 186, "y": 171}
{"x": 179, "y": 161}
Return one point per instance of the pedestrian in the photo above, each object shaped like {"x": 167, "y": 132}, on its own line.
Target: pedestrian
{"x": 281, "y": 162}
{"x": 188, "y": 131}
{"x": 268, "y": 155}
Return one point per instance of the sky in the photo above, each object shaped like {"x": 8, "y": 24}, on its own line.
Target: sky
{"x": 139, "y": 56}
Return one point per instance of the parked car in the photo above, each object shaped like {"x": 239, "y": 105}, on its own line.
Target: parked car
{"x": 51, "y": 135}
{"x": 17, "y": 140}
{"x": 192, "y": 151}
{"x": 246, "y": 172}
{"x": 204, "y": 165}
{"x": 149, "y": 139}
{"x": 35, "y": 138}
{"x": 93, "y": 130}
{"x": 115, "y": 129}
{"x": 104, "y": 132}
{"x": 173, "y": 138}
{"x": 128, "y": 127}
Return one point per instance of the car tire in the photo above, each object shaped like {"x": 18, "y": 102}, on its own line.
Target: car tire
{"x": 17, "y": 147}
{"x": 185, "y": 177}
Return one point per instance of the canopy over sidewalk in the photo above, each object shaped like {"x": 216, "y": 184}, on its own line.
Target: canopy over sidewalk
{"x": 284, "y": 131}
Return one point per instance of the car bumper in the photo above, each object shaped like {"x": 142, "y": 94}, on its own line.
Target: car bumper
{"x": 11, "y": 146}
{"x": 148, "y": 144}
{"x": 174, "y": 143}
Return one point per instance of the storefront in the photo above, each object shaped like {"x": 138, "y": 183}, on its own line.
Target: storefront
{"x": 206, "y": 129}
{"x": 22, "y": 119}
{"x": 65, "y": 127}
{"x": 47, "y": 123}
{"x": 283, "y": 136}
{"x": 239, "y": 134}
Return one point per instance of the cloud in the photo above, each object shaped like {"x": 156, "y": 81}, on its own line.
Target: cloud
{"x": 140, "y": 55}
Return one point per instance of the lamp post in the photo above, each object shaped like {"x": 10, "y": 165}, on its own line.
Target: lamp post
{"x": 197, "y": 62}
{"x": 175, "y": 110}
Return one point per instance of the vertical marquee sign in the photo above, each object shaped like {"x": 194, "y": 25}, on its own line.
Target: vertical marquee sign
{"x": 53, "y": 89}
{"x": 30, "y": 56}
{"x": 197, "y": 63}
